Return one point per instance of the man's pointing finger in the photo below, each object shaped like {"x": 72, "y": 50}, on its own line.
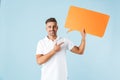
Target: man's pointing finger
{"x": 61, "y": 43}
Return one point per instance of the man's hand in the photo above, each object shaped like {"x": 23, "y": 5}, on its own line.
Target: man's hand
{"x": 83, "y": 34}
{"x": 57, "y": 47}
{"x": 44, "y": 58}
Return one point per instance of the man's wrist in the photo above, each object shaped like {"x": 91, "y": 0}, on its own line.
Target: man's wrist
{"x": 53, "y": 51}
{"x": 83, "y": 39}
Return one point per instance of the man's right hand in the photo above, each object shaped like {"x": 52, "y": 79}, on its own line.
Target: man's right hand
{"x": 44, "y": 58}
{"x": 57, "y": 47}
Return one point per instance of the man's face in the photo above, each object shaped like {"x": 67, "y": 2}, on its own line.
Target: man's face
{"x": 52, "y": 28}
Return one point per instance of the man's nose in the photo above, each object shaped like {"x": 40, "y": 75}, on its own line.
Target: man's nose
{"x": 52, "y": 28}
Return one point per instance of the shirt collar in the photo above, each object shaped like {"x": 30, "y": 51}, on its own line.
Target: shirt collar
{"x": 46, "y": 38}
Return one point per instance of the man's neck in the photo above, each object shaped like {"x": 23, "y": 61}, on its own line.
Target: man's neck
{"x": 52, "y": 37}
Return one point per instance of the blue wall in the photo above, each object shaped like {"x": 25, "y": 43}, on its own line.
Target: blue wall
{"x": 22, "y": 25}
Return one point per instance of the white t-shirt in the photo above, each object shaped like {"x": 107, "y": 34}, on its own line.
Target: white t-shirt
{"x": 55, "y": 68}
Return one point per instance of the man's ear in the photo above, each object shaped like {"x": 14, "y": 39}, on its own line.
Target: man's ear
{"x": 57, "y": 27}
{"x": 46, "y": 27}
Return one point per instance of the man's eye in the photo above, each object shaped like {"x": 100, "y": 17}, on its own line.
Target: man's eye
{"x": 49, "y": 26}
{"x": 54, "y": 26}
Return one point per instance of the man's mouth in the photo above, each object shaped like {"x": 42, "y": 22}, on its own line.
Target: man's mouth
{"x": 52, "y": 31}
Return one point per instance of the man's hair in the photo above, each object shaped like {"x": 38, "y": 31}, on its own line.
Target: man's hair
{"x": 51, "y": 20}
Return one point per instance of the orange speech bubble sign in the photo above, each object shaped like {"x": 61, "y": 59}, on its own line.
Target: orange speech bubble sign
{"x": 93, "y": 22}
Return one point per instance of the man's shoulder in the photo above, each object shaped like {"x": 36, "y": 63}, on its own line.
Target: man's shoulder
{"x": 64, "y": 39}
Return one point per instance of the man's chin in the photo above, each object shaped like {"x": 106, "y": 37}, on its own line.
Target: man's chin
{"x": 52, "y": 34}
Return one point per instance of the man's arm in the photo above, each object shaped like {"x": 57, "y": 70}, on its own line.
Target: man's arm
{"x": 44, "y": 58}
{"x": 80, "y": 49}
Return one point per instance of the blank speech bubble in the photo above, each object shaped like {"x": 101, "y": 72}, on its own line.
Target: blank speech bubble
{"x": 93, "y": 22}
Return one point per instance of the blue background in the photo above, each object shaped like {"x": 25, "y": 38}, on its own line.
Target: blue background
{"x": 22, "y": 25}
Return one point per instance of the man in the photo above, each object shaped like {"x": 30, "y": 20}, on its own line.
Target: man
{"x": 51, "y": 52}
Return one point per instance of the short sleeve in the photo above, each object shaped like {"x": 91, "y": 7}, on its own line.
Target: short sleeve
{"x": 70, "y": 45}
{"x": 39, "y": 49}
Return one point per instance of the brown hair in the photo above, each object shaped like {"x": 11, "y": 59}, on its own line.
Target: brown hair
{"x": 50, "y": 20}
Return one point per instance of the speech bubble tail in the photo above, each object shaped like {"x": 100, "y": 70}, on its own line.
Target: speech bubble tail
{"x": 69, "y": 30}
